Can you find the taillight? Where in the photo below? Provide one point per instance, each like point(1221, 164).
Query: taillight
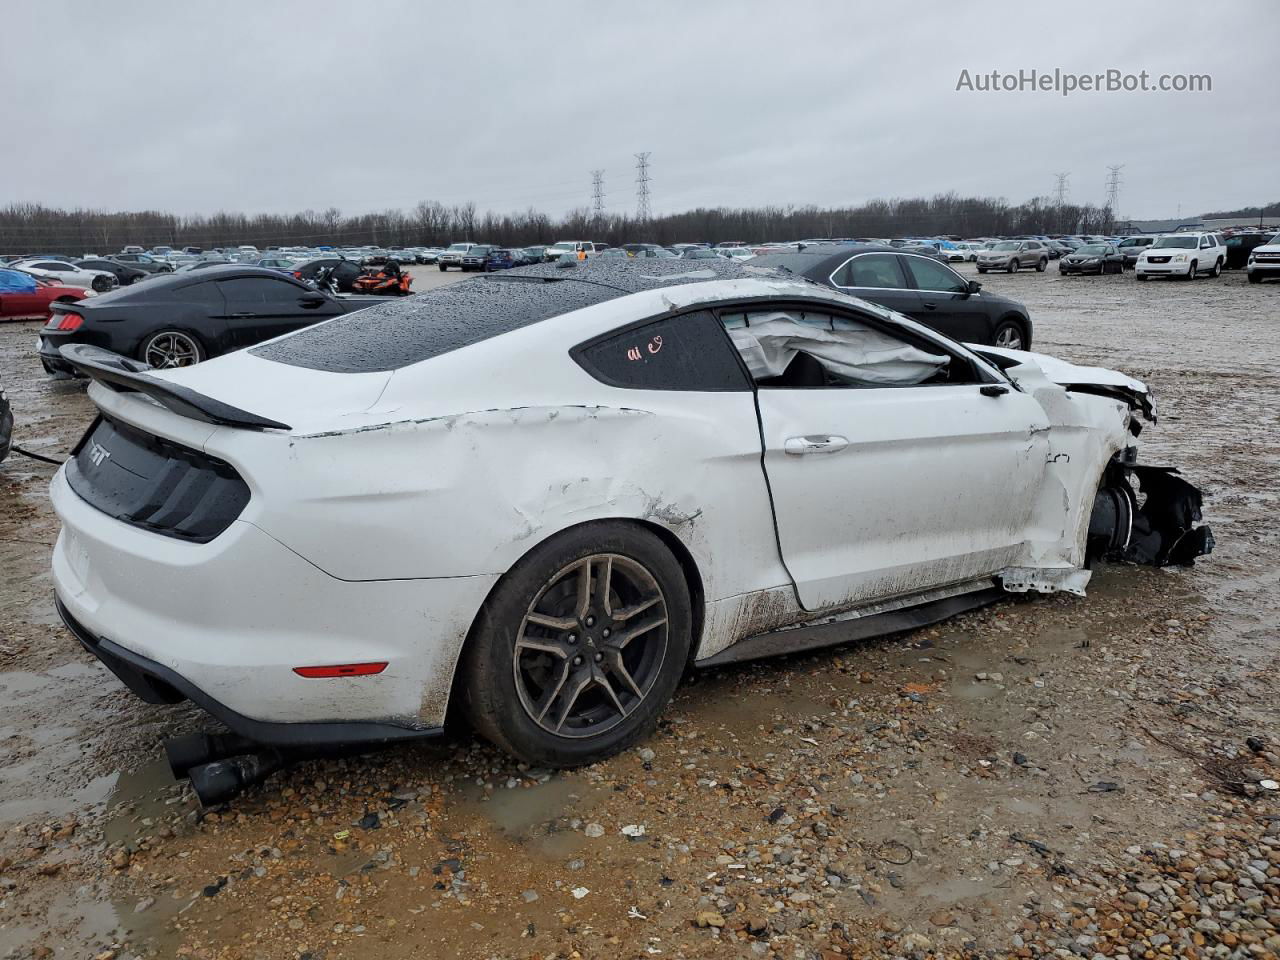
point(297, 274)
point(70, 321)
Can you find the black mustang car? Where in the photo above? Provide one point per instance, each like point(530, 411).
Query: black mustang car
point(183, 318)
point(913, 284)
point(124, 273)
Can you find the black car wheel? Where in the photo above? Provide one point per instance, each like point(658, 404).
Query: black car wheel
point(1217, 269)
point(1040, 267)
point(1191, 271)
point(1255, 278)
point(982, 269)
point(580, 646)
point(1008, 334)
point(1012, 267)
point(101, 284)
point(171, 348)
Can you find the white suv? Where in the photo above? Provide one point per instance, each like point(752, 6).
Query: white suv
point(1264, 261)
point(1184, 255)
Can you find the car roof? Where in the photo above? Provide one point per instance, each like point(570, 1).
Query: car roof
point(394, 335)
point(817, 260)
point(160, 284)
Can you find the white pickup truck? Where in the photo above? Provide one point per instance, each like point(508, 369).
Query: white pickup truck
point(575, 247)
point(1264, 261)
point(1186, 255)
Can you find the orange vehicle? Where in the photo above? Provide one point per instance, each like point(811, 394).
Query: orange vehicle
point(390, 281)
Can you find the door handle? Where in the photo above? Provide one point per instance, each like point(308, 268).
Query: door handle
point(242, 316)
point(930, 306)
point(799, 446)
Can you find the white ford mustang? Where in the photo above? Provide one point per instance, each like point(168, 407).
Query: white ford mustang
point(539, 495)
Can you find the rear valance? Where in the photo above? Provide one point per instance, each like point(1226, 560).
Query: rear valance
point(121, 374)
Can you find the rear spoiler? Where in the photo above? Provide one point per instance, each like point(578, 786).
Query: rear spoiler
point(123, 375)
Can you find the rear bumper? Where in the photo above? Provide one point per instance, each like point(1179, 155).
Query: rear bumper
point(225, 623)
point(156, 683)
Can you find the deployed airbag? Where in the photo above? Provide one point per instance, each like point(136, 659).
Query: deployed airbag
point(848, 351)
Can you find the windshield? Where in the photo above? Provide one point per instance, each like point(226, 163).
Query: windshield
point(460, 247)
point(1175, 243)
point(1006, 245)
point(1092, 249)
point(563, 245)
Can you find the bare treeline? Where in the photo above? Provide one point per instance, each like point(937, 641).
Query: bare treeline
point(33, 228)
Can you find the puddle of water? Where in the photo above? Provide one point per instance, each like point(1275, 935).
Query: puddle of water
point(537, 818)
point(145, 794)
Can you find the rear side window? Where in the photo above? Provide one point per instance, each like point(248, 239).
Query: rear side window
point(870, 270)
point(206, 292)
point(259, 290)
point(686, 352)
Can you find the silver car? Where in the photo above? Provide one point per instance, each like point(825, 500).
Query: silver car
point(1013, 255)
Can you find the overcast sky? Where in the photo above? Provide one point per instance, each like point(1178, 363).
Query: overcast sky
point(278, 106)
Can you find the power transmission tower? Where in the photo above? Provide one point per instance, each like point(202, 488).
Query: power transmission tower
point(1113, 187)
point(642, 187)
point(597, 196)
point(1060, 193)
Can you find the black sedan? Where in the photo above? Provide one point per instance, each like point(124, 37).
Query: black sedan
point(913, 284)
point(181, 319)
point(124, 273)
point(1096, 258)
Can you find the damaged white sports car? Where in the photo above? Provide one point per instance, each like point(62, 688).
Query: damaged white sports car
point(537, 496)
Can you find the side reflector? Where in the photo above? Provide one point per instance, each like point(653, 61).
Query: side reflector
point(342, 670)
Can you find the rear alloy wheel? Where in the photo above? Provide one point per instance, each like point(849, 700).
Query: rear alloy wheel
point(1009, 335)
point(101, 284)
point(1217, 268)
point(580, 646)
point(1013, 266)
point(171, 348)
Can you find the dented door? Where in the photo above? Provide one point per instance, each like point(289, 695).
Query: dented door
point(882, 492)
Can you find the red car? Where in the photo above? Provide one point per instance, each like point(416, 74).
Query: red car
point(24, 297)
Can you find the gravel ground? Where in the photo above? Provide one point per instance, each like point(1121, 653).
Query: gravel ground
point(1046, 777)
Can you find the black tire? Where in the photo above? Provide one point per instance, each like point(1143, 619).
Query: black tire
point(1255, 278)
point(1217, 269)
point(1041, 265)
point(982, 269)
point(496, 683)
point(443, 268)
point(1012, 333)
point(1141, 276)
point(100, 284)
point(1192, 272)
point(1013, 266)
point(185, 349)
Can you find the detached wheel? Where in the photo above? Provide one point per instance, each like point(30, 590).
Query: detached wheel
point(579, 647)
point(1008, 334)
point(171, 348)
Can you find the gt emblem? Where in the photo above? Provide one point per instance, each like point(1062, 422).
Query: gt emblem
point(98, 453)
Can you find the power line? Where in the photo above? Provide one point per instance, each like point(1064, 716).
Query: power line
point(1061, 191)
point(1113, 187)
point(597, 195)
point(642, 187)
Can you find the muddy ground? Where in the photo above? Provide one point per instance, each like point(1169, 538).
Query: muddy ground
point(1046, 777)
